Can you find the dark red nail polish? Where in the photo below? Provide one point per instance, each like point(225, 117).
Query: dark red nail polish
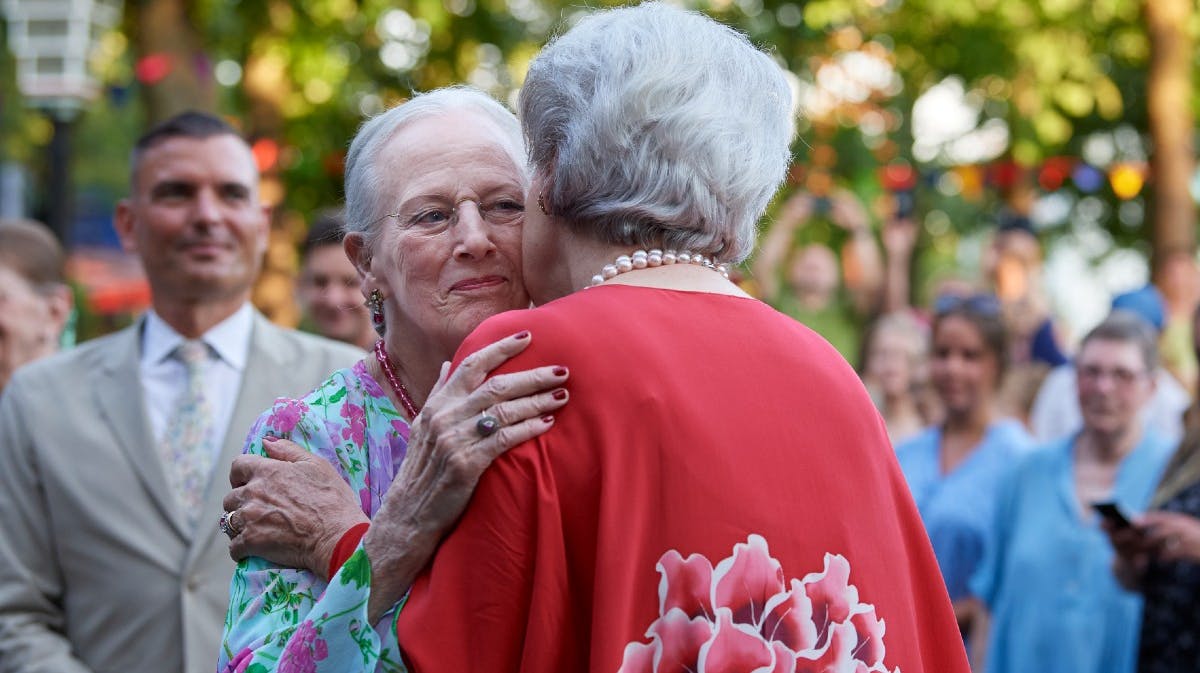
point(547, 419)
point(522, 335)
point(560, 394)
point(560, 371)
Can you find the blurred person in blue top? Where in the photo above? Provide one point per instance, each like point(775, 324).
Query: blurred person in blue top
point(1045, 577)
point(1055, 412)
point(953, 468)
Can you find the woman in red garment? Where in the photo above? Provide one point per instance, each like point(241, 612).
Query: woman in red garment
point(720, 495)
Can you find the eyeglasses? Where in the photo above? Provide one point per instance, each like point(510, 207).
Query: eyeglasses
point(979, 304)
point(431, 220)
point(1120, 376)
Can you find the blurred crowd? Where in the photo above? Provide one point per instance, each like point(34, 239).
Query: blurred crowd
point(1057, 478)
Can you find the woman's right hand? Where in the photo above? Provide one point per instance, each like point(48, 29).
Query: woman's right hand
point(1174, 536)
point(1132, 552)
point(447, 454)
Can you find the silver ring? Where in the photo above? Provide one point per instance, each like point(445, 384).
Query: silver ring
point(226, 526)
point(487, 425)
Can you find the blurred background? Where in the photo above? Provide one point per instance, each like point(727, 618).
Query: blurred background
point(1075, 115)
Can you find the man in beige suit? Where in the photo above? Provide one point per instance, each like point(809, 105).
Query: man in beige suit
point(114, 456)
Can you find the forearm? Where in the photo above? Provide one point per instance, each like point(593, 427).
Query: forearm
point(896, 284)
point(277, 615)
point(397, 554)
point(866, 280)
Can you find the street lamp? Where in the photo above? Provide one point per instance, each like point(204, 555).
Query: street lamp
point(52, 42)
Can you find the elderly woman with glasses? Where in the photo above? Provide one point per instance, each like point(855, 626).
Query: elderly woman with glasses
point(954, 468)
point(1046, 577)
point(435, 193)
point(720, 493)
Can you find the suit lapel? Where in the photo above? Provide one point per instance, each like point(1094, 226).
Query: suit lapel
point(259, 386)
point(119, 396)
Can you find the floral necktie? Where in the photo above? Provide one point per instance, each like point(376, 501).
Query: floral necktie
point(186, 446)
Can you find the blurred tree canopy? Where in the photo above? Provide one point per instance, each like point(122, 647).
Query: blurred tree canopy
point(1040, 85)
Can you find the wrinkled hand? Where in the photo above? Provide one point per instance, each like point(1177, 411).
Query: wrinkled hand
point(1173, 536)
point(290, 508)
point(447, 455)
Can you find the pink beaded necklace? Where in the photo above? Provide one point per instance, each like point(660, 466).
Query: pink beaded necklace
point(389, 372)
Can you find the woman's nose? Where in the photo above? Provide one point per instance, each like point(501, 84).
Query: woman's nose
point(473, 234)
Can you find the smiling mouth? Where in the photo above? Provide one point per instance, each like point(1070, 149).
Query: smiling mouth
point(204, 248)
point(477, 283)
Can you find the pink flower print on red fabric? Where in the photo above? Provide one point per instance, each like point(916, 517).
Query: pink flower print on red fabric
point(742, 617)
point(303, 651)
point(356, 423)
point(286, 414)
point(689, 587)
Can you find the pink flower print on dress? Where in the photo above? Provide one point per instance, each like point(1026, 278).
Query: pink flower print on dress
point(356, 423)
point(401, 428)
point(303, 650)
point(286, 414)
point(742, 617)
point(242, 660)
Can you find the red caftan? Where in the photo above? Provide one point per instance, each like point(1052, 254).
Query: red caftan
point(718, 495)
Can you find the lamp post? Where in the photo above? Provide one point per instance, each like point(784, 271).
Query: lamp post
point(52, 42)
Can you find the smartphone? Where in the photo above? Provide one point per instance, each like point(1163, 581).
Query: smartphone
point(1113, 513)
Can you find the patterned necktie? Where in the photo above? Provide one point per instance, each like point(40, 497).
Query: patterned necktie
point(185, 446)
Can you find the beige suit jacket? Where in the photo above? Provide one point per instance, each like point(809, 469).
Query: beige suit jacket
point(98, 569)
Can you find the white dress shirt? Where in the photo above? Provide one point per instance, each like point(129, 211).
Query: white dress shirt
point(164, 378)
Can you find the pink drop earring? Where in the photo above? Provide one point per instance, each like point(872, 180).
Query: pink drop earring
point(375, 306)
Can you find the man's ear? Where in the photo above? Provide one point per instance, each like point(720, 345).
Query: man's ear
point(264, 233)
point(59, 301)
point(123, 223)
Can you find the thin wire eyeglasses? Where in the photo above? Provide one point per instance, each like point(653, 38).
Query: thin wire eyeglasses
point(1123, 377)
point(432, 220)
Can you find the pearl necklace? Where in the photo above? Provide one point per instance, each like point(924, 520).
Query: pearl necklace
point(641, 259)
point(389, 372)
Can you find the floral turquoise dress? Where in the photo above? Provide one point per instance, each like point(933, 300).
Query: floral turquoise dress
point(290, 621)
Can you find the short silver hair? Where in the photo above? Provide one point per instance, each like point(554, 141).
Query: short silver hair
point(1125, 326)
point(656, 126)
point(366, 202)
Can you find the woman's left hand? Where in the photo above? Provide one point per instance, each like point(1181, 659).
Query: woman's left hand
point(1175, 536)
point(447, 453)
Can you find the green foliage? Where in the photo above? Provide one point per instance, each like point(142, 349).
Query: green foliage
point(312, 70)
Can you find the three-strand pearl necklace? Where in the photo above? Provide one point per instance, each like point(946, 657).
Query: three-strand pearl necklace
point(642, 259)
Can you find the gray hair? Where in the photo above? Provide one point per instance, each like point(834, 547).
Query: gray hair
point(655, 126)
point(365, 198)
point(1127, 327)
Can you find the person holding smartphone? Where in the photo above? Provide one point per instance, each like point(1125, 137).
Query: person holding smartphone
point(1045, 578)
point(1158, 554)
